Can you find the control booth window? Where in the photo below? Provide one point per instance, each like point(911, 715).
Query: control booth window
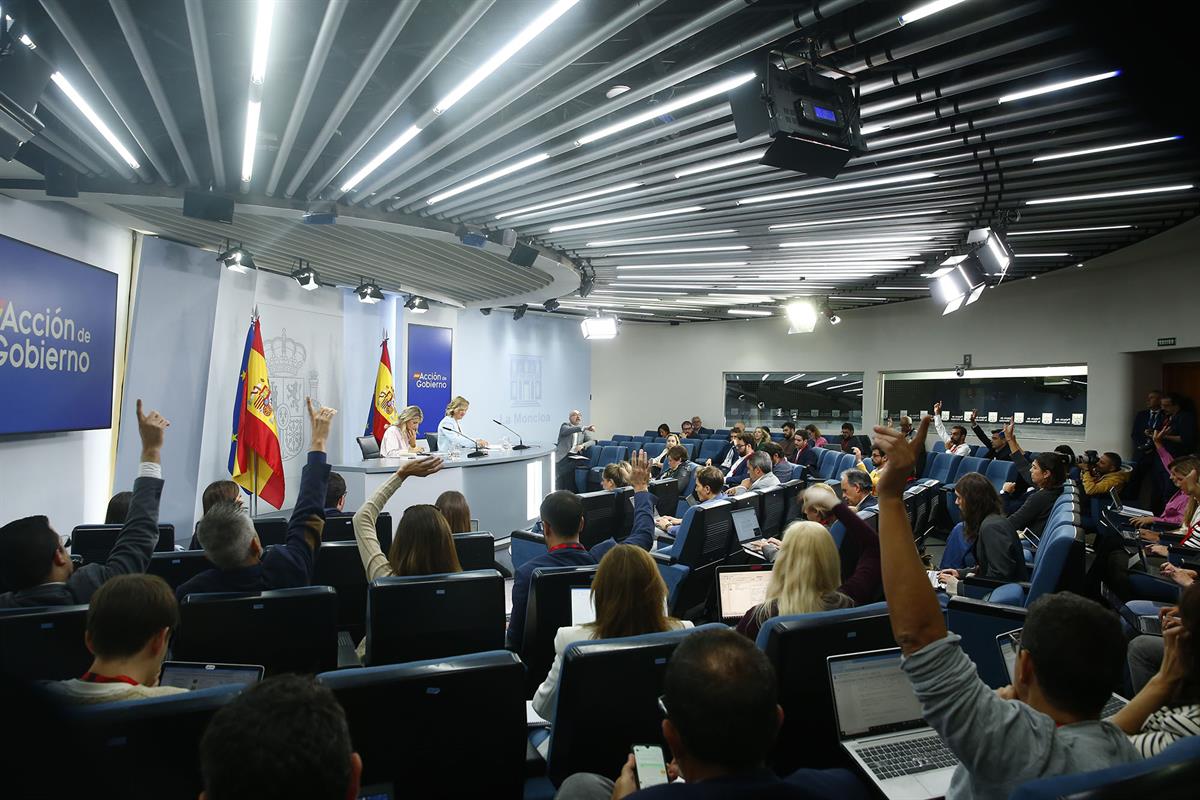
point(824, 399)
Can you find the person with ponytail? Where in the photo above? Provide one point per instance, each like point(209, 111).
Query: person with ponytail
point(1046, 473)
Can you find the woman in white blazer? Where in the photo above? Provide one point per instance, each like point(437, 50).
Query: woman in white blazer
point(450, 433)
point(402, 438)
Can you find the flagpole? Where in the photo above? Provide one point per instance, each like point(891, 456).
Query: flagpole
point(254, 481)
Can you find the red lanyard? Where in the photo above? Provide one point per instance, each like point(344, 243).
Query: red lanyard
point(566, 546)
point(91, 677)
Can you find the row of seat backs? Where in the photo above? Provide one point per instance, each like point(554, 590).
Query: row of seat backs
point(401, 718)
point(338, 528)
point(93, 543)
point(832, 463)
point(287, 629)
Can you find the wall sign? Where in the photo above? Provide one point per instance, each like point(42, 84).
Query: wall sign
point(430, 360)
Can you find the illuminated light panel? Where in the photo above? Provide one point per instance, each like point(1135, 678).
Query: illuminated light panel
point(1059, 86)
point(594, 223)
point(383, 156)
point(621, 187)
point(666, 108)
point(1179, 187)
point(488, 178)
point(926, 10)
point(749, 312)
point(708, 166)
point(676, 251)
point(872, 218)
point(1042, 255)
point(1011, 234)
point(1106, 148)
point(836, 187)
point(77, 99)
point(685, 265)
point(897, 239)
point(666, 237)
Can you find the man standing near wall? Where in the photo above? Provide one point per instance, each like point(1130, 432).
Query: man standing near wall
point(573, 439)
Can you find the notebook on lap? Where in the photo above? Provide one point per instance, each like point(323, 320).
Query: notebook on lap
point(880, 725)
point(1010, 644)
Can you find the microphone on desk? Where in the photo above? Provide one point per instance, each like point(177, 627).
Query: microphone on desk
point(521, 439)
point(477, 453)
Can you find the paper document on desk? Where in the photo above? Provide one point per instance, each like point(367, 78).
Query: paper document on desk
point(531, 717)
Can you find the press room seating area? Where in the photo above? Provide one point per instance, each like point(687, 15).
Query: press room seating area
point(436, 670)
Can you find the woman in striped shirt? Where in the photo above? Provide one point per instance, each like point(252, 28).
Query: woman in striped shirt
point(1168, 708)
point(1190, 529)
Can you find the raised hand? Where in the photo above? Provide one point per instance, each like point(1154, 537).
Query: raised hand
point(421, 467)
point(320, 422)
point(1158, 435)
point(974, 414)
point(937, 408)
point(639, 477)
point(151, 429)
point(901, 458)
point(857, 453)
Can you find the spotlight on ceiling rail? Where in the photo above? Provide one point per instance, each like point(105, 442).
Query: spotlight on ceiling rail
point(520, 311)
point(305, 275)
point(236, 258)
point(599, 327)
point(802, 316)
point(417, 305)
point(550, 305)
point(369, 292)
point(958, 282)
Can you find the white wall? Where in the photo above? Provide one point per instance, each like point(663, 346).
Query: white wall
point(67, 476)
point(1099, 315)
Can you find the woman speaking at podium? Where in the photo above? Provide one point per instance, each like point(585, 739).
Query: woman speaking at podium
point(450, 433)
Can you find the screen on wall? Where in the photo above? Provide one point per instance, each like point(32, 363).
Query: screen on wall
point(999, 397)
point(825, 399)
point(57, 330)
point(430, 350)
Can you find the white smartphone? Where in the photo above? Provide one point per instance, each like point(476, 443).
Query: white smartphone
point(651, 771)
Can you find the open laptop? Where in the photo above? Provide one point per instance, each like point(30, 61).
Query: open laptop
point(1124, 510)
point(745, 523)
point(582, 610)
point(1010, 643)
point(740, 588)
point(880, 725)
point(198, 675)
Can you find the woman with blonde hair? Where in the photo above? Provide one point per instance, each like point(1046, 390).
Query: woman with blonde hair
point(806, 578)
point(630, 599)
point(455, 509)
point(615, 476)
point(658, 460)
point(401, 437)
point(450, 433)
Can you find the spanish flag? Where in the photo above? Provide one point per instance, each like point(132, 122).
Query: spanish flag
point(254, 449)
point(383, 402)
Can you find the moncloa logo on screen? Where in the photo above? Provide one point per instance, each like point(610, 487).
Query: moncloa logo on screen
point(63, 334)
point(431, 380)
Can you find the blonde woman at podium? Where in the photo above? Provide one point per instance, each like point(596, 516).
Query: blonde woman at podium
point(402, 438)
point(450, 433)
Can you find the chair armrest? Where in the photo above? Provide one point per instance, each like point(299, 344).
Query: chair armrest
point(530, 536)
point(1170, 538)
point(661, 557)
point(665, 538)
point(989, 584)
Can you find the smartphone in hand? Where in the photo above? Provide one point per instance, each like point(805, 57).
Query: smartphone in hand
point(651, 770)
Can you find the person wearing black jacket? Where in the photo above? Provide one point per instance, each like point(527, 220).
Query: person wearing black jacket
point(990, 537)
point(39, 571)
point(1047, 473)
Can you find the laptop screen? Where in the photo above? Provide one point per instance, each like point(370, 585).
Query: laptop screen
point(1009, 644)
point(582, 610)
point(745, 522)
point(871, 694)
point(1116, 499)
point(195, 675)
point(741, 591)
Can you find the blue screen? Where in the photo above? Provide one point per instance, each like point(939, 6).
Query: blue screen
point(57, 331)
point(825, 113)
point(430, 350)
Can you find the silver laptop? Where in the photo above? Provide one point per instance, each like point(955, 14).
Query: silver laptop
point(198, 675)
point(1010, 644)
point(1124, 510)
point(740, 588)
point(745, 522)
point(880, 725)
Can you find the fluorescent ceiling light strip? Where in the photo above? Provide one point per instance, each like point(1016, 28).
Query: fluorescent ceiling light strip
point(539, 24)
point(620, 187)
point(839, 187)
point(902, 288)
point(795, 377)
point(594, 223)
point(488, 178)
point(926, 10)
point(1011, 234)
point(631, 291)
point(1106, 148)
point(75, 97)
point(749, 312)
point(666, 237)
point(843, 385)
point(1041, 255)
point(666, 108)
point(685, 265)
point(872, 218)
point(1055, 87)
point(262, 40)
point(1105, 195)
point(383, 156)
point(705, 277)
point(708, 166)
point(869, 299)
point(654, 285)
point(253, 110)
point(826, 380)
point(675, 251)
point(899, 238)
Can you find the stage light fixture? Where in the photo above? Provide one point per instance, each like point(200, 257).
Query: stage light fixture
point(599, 327)
point(991, 250)
point(236, 258)
point(305, 275)
point(550, 305)
point(961, 285)
point(802, 315)
point(586, 284)
point(369, 293)
point(487, 312)
point(417, 305)
point(520, 311)
point(833, 318)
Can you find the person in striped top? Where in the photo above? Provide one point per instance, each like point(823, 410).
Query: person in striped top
point(1190, 529)
point(1167, 709)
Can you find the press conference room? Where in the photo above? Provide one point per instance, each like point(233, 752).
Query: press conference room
point(768, 399)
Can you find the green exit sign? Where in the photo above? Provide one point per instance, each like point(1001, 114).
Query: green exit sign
point(1168, 342)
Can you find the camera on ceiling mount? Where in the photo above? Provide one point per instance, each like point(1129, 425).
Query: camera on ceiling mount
point(813, 119)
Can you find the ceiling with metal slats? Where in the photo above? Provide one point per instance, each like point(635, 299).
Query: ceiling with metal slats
point(604, 137)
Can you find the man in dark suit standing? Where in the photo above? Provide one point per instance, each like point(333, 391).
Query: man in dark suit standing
point(573, 438)
point(1145, 423)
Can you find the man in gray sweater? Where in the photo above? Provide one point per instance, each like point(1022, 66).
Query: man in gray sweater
point(37, 569)
point(1072, 656)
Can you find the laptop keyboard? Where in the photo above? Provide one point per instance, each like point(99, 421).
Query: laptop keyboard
point(1113, 705)
point(907, 757)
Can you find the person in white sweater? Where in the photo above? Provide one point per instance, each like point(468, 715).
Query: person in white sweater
point(630, 599)
point(402, 438)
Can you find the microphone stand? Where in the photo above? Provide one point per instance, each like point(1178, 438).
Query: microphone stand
point(521, 439)
point(477, 453)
